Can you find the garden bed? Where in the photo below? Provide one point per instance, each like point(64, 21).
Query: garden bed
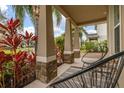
point(18, 62)
point(23, 81)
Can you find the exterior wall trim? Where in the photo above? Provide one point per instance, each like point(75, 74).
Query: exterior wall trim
point(68, 52)
point(76, 49)
point(46, 59)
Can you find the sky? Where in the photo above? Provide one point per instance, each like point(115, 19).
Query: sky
point(90, 29)
point(28, 25)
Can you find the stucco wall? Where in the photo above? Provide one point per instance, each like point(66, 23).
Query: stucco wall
point(102, 31)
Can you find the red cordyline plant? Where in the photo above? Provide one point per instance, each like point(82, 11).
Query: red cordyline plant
point(3, 59)
point(11, 26)
point(13, 41)
point(29, 37)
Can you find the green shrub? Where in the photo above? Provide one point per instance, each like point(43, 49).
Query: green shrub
point(59, 41)
point(89, 46)
point(95, 46)
point(103, 44)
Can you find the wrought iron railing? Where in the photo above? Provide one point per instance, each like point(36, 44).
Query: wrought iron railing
point(102, 74)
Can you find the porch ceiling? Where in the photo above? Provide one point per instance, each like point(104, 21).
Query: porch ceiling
point(85, 14)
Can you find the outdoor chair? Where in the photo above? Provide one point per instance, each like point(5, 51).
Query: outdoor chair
point(88, 62)
point(94, 76)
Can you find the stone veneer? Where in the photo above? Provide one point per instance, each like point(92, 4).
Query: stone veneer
point(76, 54)
point(45, 72)
point(69, 58)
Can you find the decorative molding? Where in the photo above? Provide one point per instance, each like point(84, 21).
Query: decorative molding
point(46, 59)
point(68, 52)
point(76, 49)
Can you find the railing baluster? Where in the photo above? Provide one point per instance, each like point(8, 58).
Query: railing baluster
point(80, 81)
point(83, 80)
point(76, 85)
point(107, 75)
point(96, 77)
point(114, 69)
point(104, 73)
point(70, 83)
point(66, 84)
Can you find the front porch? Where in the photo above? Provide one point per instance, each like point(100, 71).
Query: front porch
point(47, 70)
point(60, 70)
point(65, 70)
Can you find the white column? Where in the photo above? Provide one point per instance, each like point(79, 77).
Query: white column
point(122, 27)
point(68, 49)
point(110, 30)
point(46, 57)
point(76, 47)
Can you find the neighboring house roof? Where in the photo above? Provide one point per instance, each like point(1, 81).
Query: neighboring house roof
point(92, 35)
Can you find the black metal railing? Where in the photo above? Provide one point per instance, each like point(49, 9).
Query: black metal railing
point(102, 74)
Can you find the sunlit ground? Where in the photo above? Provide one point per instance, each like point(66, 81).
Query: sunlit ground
point(7, 51)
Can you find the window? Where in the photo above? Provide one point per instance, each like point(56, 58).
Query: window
point(116, 15)
point(116, 29)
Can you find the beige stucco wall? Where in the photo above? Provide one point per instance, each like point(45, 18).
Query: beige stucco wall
point(121, 80)
point(102, 31)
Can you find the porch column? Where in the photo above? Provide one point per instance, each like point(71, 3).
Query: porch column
point(68, 50)
point(110, 29)
point(76, 47)
point(46, 58)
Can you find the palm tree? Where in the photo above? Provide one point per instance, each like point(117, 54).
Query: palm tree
point(81, 34)
point(2, 19)
point(57, 15)
point(21, 10)
point(33, 12)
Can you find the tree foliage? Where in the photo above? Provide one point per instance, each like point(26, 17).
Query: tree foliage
point(59, 41)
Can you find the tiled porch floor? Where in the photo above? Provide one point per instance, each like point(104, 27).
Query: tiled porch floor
point(61, 70)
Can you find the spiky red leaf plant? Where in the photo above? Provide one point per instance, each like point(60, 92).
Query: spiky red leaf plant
point(12, 42)
point(29, 37)
point(11, 26)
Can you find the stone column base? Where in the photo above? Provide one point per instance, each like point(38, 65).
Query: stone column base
point(69, 58)
point(45, 72)
point(76, 54)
